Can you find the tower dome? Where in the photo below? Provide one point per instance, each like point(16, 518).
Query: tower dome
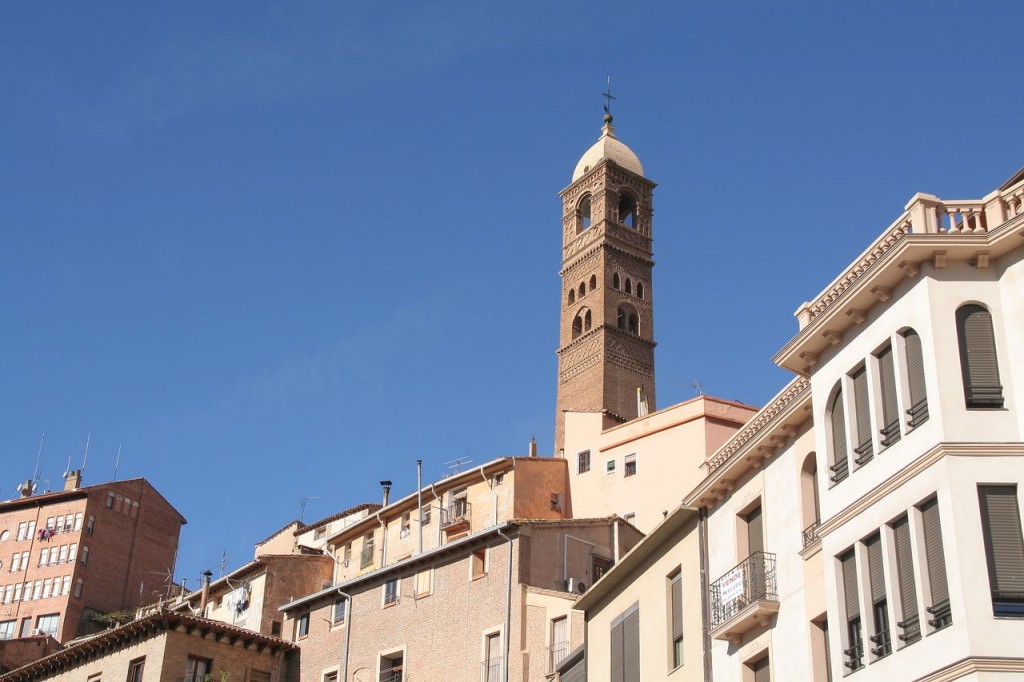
point(608, 147)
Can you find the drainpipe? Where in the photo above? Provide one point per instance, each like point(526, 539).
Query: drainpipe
point(702, 541)
point(419, 499)
point(490, 486)
point(508, 609)
point(615, 541)
point(348, 632)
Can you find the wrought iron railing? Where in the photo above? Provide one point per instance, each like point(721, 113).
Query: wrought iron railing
point(556, 654)
point(918, 413)
point(750, 581)
point(865, 451)
point(391, 674)
point(811, 533)
point(941, 614)
point(491, 670)
point(890, 433)
point(454, 513)
point(911, 629)
point(882, 643)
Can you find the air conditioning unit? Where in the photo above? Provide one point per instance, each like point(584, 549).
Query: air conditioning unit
point(37, 631)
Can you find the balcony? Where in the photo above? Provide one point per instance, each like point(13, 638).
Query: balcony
point(455, 517)
point(811, 533)
point(556, 654)
point(490, 671)
point(744, 598)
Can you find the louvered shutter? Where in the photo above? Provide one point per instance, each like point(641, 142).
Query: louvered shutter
point(890, 430)
point(631, 647)
point(875, 572)
point(840, 465)
point(862, 411)
point(755, 531)
point(814, 490)
point(934, 552)
point(848, 561)
point(1004, 544)
point(677, 607)
point(918, 410)
point(905, 573)
point(763, 670)
point(828, 651)
point(617, 670)
point(978, 363)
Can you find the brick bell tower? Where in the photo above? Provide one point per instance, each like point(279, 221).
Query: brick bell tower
point(606, 338)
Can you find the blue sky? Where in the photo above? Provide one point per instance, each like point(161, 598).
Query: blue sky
point(278, 250)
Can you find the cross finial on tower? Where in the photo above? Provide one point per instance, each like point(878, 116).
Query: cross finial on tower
point(607, 94)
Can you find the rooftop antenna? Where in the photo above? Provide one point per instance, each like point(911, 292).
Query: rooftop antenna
point(39, 458)
point(67, 470)
point(117, 462)
point(224, 556)
point(457, 464)
point(698, 387)
point(608, 96)
point(85, 456)
point(302, 506)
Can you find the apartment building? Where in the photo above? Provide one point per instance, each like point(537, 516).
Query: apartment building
point(166, 647)
point(69, 556)
point(866, 522)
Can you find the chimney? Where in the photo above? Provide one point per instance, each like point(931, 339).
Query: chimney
point(73, 480)
point(386, 485)
point(533, 446)
point(26, 488)
point(207, 574)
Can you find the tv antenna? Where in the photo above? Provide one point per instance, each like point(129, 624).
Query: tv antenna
point(224, 556)
point(117, 462)
point(698, 387)
point(456, 464)
point(302, 506)
point(85, 455)
point(39, 459)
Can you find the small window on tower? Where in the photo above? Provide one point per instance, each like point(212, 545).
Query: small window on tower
point(586, 321)
point(615, 281)
point(640, 290)
point(583, 214)
point(629, 285)
point(627, 210)
point(572, 296)
point(583, 289)
point(593, 282)
point(577, 327)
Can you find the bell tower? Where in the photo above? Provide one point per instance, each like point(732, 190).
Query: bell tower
point(606, 337)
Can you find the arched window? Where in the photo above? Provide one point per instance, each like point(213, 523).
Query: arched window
point(627, 320)
point(640, 290)
point(627, 210)
point(809, 497)
point(629, 285)
point(593, 282)
point(572, 296)
point(615, 281)
point(577, 327)
point(583, 289)
point(917, 413)
point(840, 466)
point(586, 321)
point(978, 364)
point(583, 219)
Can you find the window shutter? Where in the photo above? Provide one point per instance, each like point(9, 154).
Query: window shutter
point(631, 647)
point(1004, 545)
point(875, 572)
point(616, 654)
point(934, 552)
point(755, 531)
point(905, 573)
point(840, 465)
point(763, 670)
point(978, 363)
point(918, 410)
point(848, 561)
point(864, 448)
point(890, 430)
point(677, 607)
point(828, 650)
point(814, 489)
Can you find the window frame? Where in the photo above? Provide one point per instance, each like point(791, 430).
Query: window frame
point(582, 462)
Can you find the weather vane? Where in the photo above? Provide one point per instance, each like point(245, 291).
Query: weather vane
point(607, 94)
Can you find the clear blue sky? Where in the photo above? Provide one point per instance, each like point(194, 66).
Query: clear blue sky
point(278, 250)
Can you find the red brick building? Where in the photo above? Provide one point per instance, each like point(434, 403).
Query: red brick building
point(69, 556)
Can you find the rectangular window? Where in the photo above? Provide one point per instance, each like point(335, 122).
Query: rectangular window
point(196, 669)
point(65, 585)
point(44, 556)
point(85, 556)
point(302, 626)
point(917, 413)
point(478, 563)
point(391, 592)
point(890, 431)
point(609, 467)
point(47, 583)
point(16, 562)
point(72, 552)
point(675, 589)
point(761, 669)
point(1004, 548)
point(7, 629)
point(78, 521)
point(47, 625)
point(22, 530)
point(499, 479)
point(864, 450)
point(583, 462)
point(338, 613)
point(17, 591)
point(63, 554)
point(939, 612)
point(559, 642)
point(625, 646)
point(135, 669)
point(328, 677)
point(851, 597)
point(423, 583)
point(629, 465)
point(492, 657)
point(880, 640)
point(319, 533)
point(425, 515)
point(391, 668)
point(366, 557)
point(556, 502)
point(406, 526)
point(910, 622)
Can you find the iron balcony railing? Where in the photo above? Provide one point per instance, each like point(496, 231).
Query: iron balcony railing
point(556, 654)
point(750, 581)
point(918, 413)
point(911, 629)
point(391, 674)
point(941, 614)
point(491, 670)
point(890, 433)
point(865, 451)
point(366, 556)
point(811, 533)
point(455, 513)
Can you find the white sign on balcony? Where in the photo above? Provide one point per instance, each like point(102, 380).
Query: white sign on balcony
point(731, 585)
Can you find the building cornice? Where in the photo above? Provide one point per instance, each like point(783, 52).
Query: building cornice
point(906, 474)
point(972, 665)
